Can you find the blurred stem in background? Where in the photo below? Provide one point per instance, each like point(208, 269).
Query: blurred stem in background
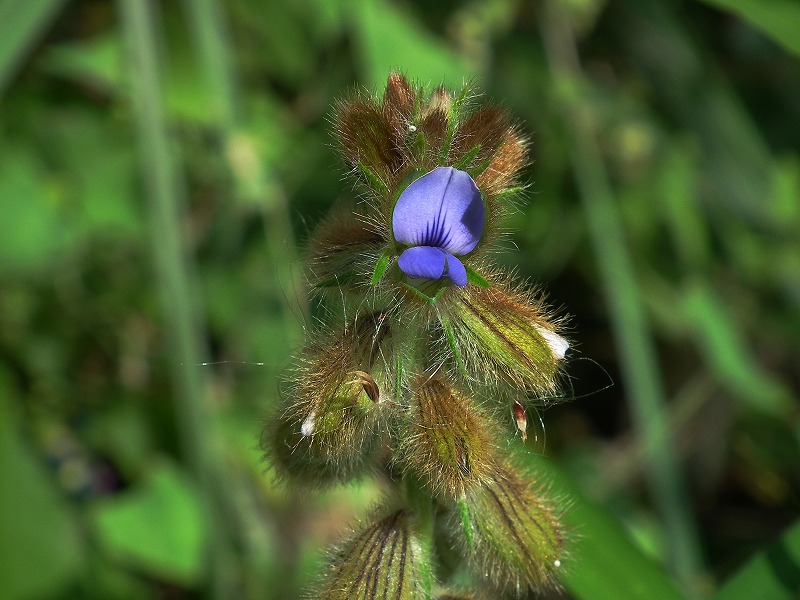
point(176, 284)
point(627, 314)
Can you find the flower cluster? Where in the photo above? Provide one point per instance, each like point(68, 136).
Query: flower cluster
point(429, 355)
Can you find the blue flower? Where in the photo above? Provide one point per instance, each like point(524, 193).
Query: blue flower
point(439, 216)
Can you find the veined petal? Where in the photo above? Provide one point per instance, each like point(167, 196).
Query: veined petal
point(427, 262)
point(443, 209)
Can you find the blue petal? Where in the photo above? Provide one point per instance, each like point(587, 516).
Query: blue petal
point(427, 262)
point(443, 209)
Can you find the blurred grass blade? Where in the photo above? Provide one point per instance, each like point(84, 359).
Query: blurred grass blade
point(603, 562)
point(773, 574)
point(728, 355)
point(629, 320)
point(176, 285)
point(778, 19)
point(23, 21)
point(213, 45)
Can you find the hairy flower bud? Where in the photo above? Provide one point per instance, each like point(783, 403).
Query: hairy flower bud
point(500, 335)
point(330, 428)
point(512, 534)
point(382, 562)
point(448, 442)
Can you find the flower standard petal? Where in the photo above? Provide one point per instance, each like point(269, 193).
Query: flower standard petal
point(443, 209)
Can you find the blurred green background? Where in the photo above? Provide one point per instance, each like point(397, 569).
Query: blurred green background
point(162, 163)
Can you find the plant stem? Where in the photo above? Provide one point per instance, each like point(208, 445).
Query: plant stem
point(181, 311)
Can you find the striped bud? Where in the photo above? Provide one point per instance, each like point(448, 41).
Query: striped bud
point(501, 335)
point(382, 562)
point(448, 443)
point(512, 535)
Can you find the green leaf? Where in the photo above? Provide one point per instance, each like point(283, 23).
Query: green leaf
point(157, 527)
point(773, 574)
point(40, 548)
point(31, 231)
point(96, 61)
point(778, 19)
point(602, 562)
point(23, 23)
point(389, 39)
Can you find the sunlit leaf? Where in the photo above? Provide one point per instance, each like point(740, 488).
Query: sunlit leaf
point(773, 574)
point(778, 19)
point(157, 527)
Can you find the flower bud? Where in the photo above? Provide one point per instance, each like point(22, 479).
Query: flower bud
point(501, 335)
point(330, 428)
point(369, 143)
point(448, 443)
point(512, 534)
point(334, 442)
point(384, 561)
point(342, 249)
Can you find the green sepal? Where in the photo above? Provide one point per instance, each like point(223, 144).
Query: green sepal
point(475, 172)
point(476, 278)
point(466, 524)
point(451, 341)
point(512, 191)
point(428, 298)
point(465, 160)
point(452, 123)
point(381, 266)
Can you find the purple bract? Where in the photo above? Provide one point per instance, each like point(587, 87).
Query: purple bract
point(439, 216)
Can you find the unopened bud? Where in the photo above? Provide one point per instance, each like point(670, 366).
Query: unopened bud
point(512, 534)
point(331, 425)
point(503, 335)
point(382, 561)
point(448, 442)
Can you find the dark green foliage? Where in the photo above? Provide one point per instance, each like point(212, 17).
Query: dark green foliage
point(116, 484)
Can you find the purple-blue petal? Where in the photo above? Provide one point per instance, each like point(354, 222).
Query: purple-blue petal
point(424, 262)
point(443, 209)
point(427, 262)
point(456, 271)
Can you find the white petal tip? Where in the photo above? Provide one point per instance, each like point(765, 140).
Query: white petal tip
point(558, 345)
point(307, 428)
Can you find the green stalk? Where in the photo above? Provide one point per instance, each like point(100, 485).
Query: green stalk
point(212, 43)
point(628, 317)
point(176, 288)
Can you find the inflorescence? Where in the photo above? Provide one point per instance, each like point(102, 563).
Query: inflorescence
point(427, 359)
